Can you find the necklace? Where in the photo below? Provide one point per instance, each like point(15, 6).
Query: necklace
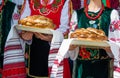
point(97, 16)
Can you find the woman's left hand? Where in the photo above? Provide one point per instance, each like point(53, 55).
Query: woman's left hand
point(107, 49)
point(45, 37)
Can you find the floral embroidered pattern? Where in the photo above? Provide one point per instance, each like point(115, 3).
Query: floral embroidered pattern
point(84, 53)
point(115, 28)
point(16, 15)
point(115, 25)
point(47, 6)
point(89, 54)
point(92, 54)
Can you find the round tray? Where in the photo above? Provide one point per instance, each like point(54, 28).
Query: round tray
point(90, 43)
point(33, 29)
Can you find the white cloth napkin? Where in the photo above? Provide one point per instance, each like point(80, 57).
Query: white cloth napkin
point(59, 57)
point(14, 56)
point(55, 45)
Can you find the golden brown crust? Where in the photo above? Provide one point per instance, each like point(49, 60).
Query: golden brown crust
point(99, 32)
point(89, 34)
point(37, 21)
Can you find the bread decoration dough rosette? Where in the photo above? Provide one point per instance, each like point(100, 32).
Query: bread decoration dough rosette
point(91, 34)
point(37, 21)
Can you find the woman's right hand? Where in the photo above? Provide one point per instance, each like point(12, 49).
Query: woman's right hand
point(26, 35)
point(73, 47)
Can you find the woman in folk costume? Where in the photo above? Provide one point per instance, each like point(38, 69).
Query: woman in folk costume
point(94, 63)
point(59, 12)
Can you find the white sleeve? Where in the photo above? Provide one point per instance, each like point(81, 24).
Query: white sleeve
point(114, 15)
point(17, 2)
point(114, 40)
point(26, 11)
point(114, 18)
point(73, 22)
point(65, 16)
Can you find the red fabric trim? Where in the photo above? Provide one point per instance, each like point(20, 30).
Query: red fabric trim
point(19, 64)
point(53, 51)
point(13, 47)
point(108, 3)
point(15, 70)
point(56, 62)
point(116, 69)
point(115, 39)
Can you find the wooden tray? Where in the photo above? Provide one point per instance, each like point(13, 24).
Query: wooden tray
point(32, 29)
point(90, 44)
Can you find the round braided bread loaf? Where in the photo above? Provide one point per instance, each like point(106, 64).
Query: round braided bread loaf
point(37, 21)
point(89, 34)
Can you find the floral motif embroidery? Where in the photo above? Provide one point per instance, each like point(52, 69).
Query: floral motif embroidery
point(47, 6)
point(16, 15)
point(89, 54)
point(84, 53)
point(115, 26)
